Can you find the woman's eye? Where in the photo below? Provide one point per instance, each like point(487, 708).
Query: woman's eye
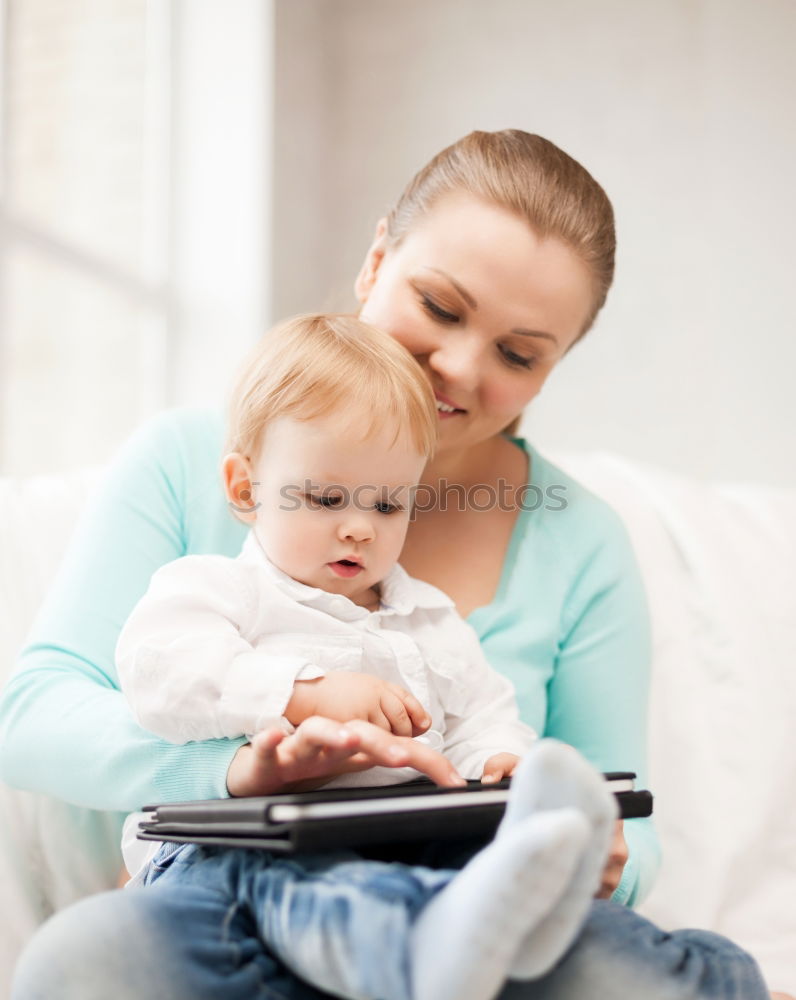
point(516, 360)
point(437, 311)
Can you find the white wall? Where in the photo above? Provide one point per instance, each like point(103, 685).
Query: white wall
point(682, 109)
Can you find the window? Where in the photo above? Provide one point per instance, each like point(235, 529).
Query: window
point(132, 215)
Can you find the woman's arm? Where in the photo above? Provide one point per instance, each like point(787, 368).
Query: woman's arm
point(66, 729)
point(597, 697)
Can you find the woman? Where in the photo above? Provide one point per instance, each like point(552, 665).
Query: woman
point(495, 261)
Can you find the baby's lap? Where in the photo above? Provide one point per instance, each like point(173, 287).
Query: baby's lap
point(247, 875)
point(227, 867)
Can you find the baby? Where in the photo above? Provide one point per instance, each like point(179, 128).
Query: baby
point(331, 426)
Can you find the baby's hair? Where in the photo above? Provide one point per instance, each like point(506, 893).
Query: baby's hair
point(313, 366)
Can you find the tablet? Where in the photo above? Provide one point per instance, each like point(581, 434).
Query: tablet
point(354, 817)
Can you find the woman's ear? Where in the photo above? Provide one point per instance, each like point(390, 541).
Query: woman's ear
point(236, 473)
point(366, 278)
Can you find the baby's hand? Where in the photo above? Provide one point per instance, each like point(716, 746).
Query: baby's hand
point(500, 765)
point(344, 696)
point(321, 749)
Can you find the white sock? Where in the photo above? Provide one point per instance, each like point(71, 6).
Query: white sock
point(555, 776)
point(465, 941)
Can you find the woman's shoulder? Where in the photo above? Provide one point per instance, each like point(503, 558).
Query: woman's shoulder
point(576, 540)
point(194, 433)
point(173, 448)
point(565, 507)
point(170, 468)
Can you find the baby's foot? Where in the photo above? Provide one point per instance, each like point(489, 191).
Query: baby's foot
point(465, 942)
point(550, 777)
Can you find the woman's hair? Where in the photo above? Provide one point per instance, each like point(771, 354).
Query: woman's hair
point(533, 178)
point(310, 367)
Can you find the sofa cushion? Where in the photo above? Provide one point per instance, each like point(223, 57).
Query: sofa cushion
point(719, 564)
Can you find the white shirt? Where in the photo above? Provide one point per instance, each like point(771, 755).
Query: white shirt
point(214, 648)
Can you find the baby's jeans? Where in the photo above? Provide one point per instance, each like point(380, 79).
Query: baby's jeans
point(197, 932)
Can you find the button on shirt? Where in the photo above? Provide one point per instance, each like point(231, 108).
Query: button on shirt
point(215, 646)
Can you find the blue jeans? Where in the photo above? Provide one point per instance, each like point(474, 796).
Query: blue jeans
point(197, 933)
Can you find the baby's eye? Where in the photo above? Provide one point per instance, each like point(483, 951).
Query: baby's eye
point(383, 507)
point(328, 500)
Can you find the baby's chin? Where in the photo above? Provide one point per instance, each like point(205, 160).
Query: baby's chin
point(359, 589)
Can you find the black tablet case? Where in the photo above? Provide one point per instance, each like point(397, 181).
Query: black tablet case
point(416, 811)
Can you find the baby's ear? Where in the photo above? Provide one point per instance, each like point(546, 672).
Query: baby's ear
point(236, 473)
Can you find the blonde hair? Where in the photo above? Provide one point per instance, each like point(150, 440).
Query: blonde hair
point(530, 176)
point(310, 367)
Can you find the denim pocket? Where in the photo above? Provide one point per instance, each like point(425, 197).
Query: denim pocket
point(162, 861)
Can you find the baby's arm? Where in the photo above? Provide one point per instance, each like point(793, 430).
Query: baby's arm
point(190, 673)
point(184, 663)
point(483, 732)
point(350, 695)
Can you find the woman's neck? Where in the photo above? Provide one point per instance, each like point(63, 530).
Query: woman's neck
point(467, 467)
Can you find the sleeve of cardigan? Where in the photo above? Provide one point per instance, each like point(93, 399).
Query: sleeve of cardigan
point(597, 697)
point(65, 728)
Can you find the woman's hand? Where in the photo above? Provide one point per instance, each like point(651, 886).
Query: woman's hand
point(320, 749)
point(615, 865)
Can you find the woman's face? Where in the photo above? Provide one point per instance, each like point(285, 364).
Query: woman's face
point(485, 306)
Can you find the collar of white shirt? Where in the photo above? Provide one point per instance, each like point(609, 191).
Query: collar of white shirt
point(401, 594)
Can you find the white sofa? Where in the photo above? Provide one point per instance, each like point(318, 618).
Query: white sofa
point(720, 567)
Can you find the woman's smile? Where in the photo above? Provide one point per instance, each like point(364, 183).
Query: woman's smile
point(446, 407)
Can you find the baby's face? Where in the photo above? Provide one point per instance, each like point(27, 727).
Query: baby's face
point(332, 510)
